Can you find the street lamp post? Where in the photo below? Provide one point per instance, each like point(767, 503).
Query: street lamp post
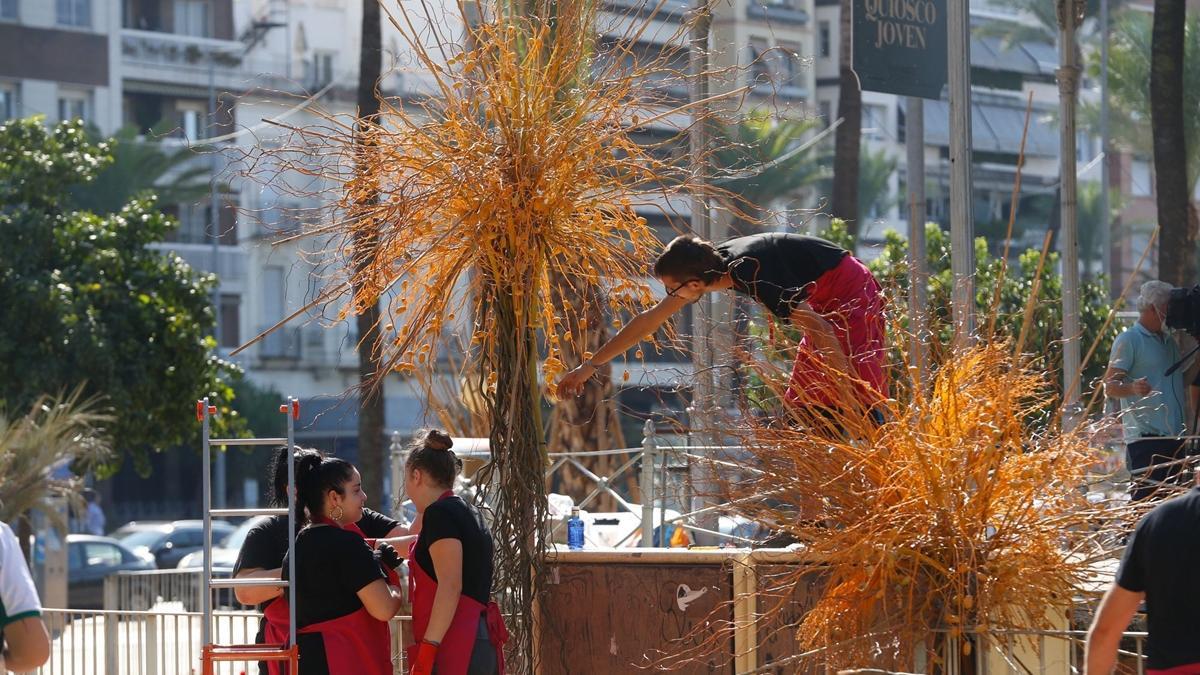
point(962, 226)
point(1070, 15)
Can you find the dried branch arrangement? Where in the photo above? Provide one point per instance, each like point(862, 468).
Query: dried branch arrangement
point(485, 205)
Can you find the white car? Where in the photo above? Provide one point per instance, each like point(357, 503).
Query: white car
point(224, 556)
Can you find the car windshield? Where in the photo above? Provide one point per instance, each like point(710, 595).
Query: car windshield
point(142, 538)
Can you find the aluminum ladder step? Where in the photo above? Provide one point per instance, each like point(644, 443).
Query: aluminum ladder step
point(248, 441)
point(246, 513)
point(243, 583)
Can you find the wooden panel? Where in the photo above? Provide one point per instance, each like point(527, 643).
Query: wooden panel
point(606, 618)
point(777, 639)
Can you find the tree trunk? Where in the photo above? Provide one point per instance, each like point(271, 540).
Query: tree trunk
point(371, 437)
point(849, 135)
point(1177, 240)
point(588, 422)
point(515, 480)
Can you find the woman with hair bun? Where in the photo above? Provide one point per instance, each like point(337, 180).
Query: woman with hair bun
point(458, 629)
point(263, 551)
point(343, 600)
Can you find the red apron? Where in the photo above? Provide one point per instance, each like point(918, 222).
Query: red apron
point(849, 298)
point(454, 652)
point(275, 628)
point(355, 643)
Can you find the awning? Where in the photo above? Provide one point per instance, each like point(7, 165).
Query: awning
point(995, 127)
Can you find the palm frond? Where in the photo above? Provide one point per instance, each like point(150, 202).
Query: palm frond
point(58, 432)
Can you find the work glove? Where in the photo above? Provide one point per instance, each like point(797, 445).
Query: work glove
point(423, 664)
point(387, 556)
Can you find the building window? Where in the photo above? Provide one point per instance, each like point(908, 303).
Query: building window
point(825, 110)
point(874, 121)
point(231, 309)
point(1140, 182)
point(322, 72)
point(192, 18)
point(8, 101)
point(791, 66)
point(74, 12)
point(74, 104)
point(824, 40)
point(193, 223)
point(760, 69)
point(8, 10)
point(192, 119)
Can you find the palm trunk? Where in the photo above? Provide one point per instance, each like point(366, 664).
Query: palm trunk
point(588, 422)
point(1177, 243)
point(371, 388)
point(849, 135)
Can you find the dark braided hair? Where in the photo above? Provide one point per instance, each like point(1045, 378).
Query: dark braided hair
point(430, 452)
point(278, 473)
point(316, 475)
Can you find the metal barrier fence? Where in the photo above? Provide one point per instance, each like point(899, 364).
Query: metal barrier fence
point(141, 590)
point(162, 641)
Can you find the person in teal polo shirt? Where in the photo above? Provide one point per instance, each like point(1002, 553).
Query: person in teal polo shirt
point(1153, 405)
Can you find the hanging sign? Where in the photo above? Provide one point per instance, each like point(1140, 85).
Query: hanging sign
point(900, 46)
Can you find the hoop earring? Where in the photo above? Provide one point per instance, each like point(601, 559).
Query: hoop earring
point(337, 514)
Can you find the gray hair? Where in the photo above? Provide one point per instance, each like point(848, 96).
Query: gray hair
point(1154, 294)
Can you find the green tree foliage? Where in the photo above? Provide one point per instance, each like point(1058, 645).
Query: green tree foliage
point(1016, 285)
point(86, 302)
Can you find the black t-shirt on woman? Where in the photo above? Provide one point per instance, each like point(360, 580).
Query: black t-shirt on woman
point(779, 268)
point(266, 543)
point(452, 518)
point(332, 566)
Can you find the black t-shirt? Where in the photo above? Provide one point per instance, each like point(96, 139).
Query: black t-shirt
point(779, 268)
point(1161, 560)
point(452, 518)
point(332, 565)
point(266, 543)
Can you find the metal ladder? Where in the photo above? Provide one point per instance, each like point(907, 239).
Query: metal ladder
point(212, 653)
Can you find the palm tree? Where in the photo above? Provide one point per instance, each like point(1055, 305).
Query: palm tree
point(371, 386)
point(849, 135)
point(874, 180)
point(1177, 222)
point(141, 167)
point(1131, 69)
point(760, 160)
point(56, 432)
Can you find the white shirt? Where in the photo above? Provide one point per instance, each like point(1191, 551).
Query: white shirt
point(18, 595)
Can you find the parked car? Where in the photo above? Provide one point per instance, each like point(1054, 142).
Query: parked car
point(89, 560)
point(168, 543)
point(225, 555)
point(135, 526)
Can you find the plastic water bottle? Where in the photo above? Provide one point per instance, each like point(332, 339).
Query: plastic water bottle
point(575, 530)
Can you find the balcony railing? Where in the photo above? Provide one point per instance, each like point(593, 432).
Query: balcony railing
point(281, 343)
point(179, 59)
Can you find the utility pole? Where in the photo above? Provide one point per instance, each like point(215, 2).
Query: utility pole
point(214, 229)
point(914, 141)
point(1070, 15)
point(962, 226)
point(1106, 234)
point(700, 416)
